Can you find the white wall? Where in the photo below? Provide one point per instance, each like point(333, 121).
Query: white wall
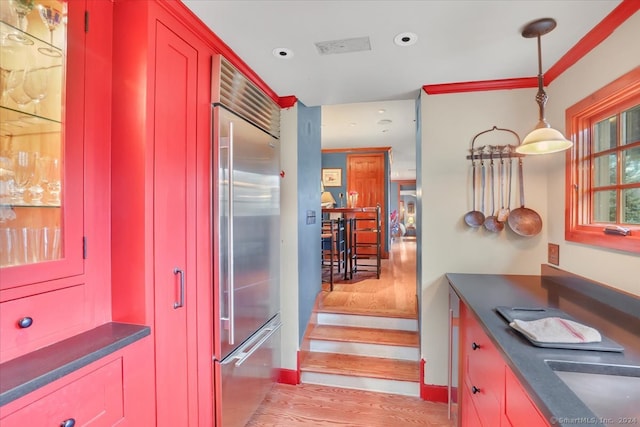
point(289, 245)
point(449, 123)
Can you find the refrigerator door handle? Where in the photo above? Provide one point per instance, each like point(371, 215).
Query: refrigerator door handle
point(264, 335)
point(230, 264)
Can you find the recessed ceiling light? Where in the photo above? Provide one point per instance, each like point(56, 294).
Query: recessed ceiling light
point(405, 39)
point(282, 53)
point(382, 111)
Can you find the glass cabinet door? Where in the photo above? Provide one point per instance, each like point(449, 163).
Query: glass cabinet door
point(34, 147)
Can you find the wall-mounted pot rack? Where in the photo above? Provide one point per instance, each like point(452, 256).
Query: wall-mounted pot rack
point(486, 151)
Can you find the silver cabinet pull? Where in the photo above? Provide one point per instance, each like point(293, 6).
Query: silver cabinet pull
point(180, 303)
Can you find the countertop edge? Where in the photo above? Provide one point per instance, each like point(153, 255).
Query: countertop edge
point(27, 373)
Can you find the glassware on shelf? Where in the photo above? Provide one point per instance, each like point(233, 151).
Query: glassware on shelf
point(51, 18)
point(15, 84)
point(36, 189)
point(35, 85)
point(6, 182)
point(22, 9)
point(12, 58)
point(51, 175)
point(24, 170)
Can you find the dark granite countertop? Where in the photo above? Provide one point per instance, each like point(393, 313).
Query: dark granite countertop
point(483, 292)
point(27, 373)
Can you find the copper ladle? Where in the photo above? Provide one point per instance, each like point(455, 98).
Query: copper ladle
point(475, 218)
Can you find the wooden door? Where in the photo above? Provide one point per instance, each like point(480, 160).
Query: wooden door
point(365, 174)
point(174, 226)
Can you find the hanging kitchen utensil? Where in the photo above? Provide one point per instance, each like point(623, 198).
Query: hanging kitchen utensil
point(503, 212)
point(491, 222)
point(474, 218)
point(524, 221)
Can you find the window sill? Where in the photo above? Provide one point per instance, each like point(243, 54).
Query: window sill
point(593, 235)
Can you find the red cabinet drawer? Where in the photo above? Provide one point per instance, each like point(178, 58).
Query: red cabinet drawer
point(54, 315)
point(95, 400)
point(519, 409)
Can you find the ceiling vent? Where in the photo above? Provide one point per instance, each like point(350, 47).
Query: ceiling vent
point(357, 44)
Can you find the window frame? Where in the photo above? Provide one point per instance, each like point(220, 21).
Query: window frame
point(621, 94)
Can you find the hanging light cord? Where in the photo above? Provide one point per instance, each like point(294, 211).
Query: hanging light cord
point(541, 96)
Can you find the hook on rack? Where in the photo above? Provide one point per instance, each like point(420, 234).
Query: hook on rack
point(507, 151)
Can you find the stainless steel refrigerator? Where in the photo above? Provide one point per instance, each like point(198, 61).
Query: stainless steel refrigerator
point(246, 224)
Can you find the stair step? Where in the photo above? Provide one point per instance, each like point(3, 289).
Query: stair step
point(361, 366)
point(366, 321)
point(385, 343)
point(365, 335)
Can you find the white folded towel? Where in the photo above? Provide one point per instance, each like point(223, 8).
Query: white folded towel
point(556, 330)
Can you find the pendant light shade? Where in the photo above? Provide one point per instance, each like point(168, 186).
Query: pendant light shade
point(543, 139)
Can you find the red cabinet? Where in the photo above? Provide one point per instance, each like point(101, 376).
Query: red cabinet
point(161, 162)
point(56, 236)
point(519, 409)
point(491, 394)
point(110, 391)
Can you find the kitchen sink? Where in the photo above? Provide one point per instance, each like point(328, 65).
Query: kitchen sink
point(611, 391)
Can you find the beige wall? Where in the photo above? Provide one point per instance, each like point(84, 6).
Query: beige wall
point(449, 123)
point(616, 56)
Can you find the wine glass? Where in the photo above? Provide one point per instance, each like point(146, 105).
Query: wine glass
point(11, 59)
point(22, 9)
point(51, 175)
point(23, 169)
point(51, 18)
point(35, 85)
point(16, 88)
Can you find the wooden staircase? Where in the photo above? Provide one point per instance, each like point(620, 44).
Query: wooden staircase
point(362, 351)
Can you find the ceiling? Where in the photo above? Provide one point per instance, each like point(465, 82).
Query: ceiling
point(450, 41)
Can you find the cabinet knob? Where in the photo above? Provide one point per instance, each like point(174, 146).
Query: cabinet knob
point(68, 423)
point(475, 390)
point(25, 322)
point(475, 346)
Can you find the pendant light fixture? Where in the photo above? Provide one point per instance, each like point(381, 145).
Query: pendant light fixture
point(543, 139)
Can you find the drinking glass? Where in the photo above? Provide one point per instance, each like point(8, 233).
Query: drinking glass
point(6, 180)
point(15, 83)
point(24, 170)
point(51, 175)
point(35, 85)
point(51, 18)
point(22, 9)
point(12, 57)
point(36, 249)
point(7, 240)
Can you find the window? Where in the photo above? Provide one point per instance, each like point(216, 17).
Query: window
point(603, 170)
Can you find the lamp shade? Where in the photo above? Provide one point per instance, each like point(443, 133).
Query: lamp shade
point(544, 140)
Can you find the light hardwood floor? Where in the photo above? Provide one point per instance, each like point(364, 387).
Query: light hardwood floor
point(307, 405)
point(392, 295)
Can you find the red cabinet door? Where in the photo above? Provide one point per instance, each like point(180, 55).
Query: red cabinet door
point(42, 239)
point(174, 222)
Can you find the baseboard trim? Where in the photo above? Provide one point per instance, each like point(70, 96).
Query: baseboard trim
point(288, 376)
point(432, 392)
